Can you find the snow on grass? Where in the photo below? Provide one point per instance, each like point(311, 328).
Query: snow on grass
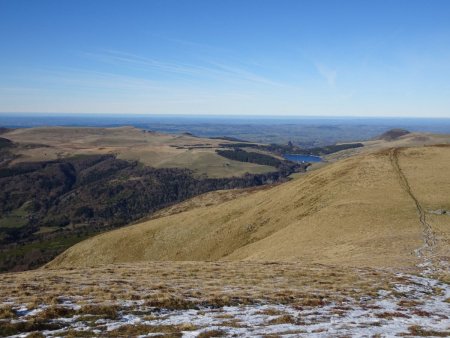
point(390, 304)
point(415, 302)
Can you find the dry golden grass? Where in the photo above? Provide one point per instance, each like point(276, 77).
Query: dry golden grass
point(284, 319)
point(184, 285)
point(212, 333)
point(139, 329)
point(352, 219)
point(6, 312)
point(406, 141)
point(427, 170)
point(176, 286)
point(418, 331)
point(152, 149)
point(12, 328)
point(291, 297)
point(353, 212)
point(205, 200)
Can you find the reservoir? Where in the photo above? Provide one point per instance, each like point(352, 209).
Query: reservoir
point(302, 158)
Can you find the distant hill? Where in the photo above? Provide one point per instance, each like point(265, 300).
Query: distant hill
point(339, 214)
point(393, 134)
point(228, 138)
point(149, 148)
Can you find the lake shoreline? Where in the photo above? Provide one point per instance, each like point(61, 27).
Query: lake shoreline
point(302, 158)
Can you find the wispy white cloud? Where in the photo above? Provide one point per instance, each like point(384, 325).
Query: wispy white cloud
point(330, 75)
point(119, 81)
point(143, 63)
point(208, 69)
point(85, 79)
point(244, 74)
point(78, 89)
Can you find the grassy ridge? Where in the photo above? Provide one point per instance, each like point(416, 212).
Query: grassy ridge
point(338, 214)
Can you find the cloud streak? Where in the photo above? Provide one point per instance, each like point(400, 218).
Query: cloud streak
point(211, 70)
point(330, 75)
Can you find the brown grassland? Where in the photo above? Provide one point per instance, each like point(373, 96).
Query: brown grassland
point(129, 143)
point(209, 299)
point(354, 212)
point(358, 247)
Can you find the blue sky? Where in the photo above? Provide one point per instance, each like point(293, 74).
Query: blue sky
point(329, 58)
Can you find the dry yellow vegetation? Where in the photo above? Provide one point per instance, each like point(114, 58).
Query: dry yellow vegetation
point(205, 200)
point(231, 298)
point(129, 143)
point(178, 284)
point(334, 252)
point(354, 212)
point(408, 140)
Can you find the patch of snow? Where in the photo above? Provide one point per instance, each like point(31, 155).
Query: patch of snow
point(382, 314)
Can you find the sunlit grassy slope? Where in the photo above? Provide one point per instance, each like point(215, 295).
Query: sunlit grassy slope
point(353, 212)
point(150, 148)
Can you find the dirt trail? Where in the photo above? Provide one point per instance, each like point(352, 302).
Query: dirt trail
point(428, 234)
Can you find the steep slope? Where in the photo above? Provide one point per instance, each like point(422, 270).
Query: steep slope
point(60, 185)
point(353, 212)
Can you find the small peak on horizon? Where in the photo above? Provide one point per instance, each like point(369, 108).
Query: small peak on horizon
point(393, 134)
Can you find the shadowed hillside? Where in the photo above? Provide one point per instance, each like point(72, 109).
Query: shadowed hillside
point(393, 134)
point(60, 185)
point(47, 206)
point(338, 214)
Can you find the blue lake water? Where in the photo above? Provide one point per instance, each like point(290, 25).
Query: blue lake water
point(302, 158)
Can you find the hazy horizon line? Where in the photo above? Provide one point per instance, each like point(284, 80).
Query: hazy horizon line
point(233, 116)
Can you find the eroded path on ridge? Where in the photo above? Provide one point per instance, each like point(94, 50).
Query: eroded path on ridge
point(429, 238)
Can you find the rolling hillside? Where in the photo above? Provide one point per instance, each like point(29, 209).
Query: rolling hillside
point(359, 247)
point(152, 149)
point(393, 138)
point(379, 209)
point(60, 185)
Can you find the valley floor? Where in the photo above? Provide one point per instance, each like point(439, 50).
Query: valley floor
point(207, 299)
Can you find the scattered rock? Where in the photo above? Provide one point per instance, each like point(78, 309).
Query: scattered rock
point(440, 212)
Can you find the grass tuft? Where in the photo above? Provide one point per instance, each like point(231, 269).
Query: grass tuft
point(143, 329)
point(7, 312)
point(285, 319)
point(212, 333)
point(417, 330)
point(105, 311)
